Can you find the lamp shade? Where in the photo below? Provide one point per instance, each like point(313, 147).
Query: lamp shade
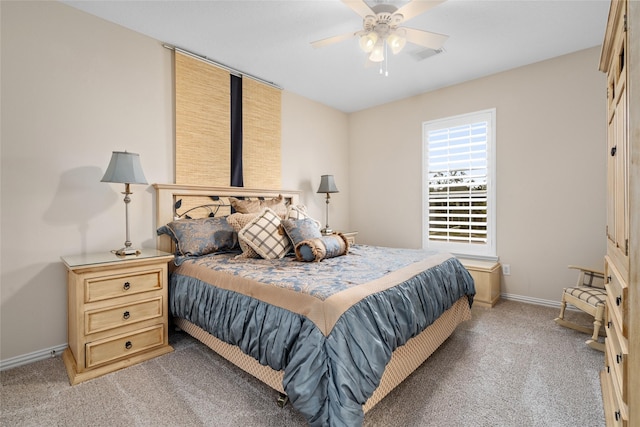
point(327, 184)
point(377, 54)
point(368, 41)
point(125, 168)
point(397, 41)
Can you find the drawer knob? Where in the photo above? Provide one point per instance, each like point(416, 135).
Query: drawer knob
point(608, 279)
point(126, 315)
point(618, 300)
point(128, 345)
point(608, 369)
point(617, 414)
point(126, 286)
point(618, 358)
point(609, 324)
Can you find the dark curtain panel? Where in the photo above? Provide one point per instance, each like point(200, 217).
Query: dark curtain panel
point(236, 132)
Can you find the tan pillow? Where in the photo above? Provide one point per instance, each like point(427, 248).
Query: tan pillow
point(255, 206)
point(238, 221)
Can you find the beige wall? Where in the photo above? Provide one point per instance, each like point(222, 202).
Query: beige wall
point(74, 88)
point(314, 143)
point(550, 123)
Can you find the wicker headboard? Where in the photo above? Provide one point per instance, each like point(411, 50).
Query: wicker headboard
point(175, 201)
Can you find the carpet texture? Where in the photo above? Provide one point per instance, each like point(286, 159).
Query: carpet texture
point(508, 366)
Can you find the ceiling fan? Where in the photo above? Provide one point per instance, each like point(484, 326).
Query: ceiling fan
point(381, 28)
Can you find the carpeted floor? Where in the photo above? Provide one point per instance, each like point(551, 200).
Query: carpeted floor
point(509, 366)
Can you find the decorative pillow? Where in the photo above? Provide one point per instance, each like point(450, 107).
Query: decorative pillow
point(265, 235)
point(238, 221)
point(323, 247)
point(301, 229)
point(196, 237)
point(255, 206)
point(299, 212)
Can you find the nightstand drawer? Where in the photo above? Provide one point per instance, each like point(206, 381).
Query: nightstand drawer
point(125, 314)
point(102, 288)
point(122, 346)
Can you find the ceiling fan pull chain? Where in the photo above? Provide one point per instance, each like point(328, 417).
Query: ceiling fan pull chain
point(386, 60)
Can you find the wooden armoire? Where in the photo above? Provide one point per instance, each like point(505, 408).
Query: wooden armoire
point(620, 60)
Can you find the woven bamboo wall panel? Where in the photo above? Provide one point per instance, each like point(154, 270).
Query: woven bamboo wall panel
point(202, 122)
point(261, 157)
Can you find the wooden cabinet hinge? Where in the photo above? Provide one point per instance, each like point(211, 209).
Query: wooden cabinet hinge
point(625, 23)
point(626, 247)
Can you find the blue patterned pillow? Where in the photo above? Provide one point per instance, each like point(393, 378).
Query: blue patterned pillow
point(317, 249)
point(299, 212)
point(301, 229)
point(196, 237)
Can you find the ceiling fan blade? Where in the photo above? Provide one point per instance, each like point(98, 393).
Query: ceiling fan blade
point(332, 40)
point(359, 7)
point(425, 38)
point(417, 7)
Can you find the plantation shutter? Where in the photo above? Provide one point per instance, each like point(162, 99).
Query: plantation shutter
point(458, 177)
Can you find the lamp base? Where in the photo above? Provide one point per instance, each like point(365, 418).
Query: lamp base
point(127, 251)
point(326, 231)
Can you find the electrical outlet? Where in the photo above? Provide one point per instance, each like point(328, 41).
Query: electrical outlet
point(506, 269)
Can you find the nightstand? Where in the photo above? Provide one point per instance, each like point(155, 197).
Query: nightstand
point(351, 237)
point(486, 275)
point(117, 311)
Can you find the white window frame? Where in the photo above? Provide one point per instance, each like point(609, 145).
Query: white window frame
point(487, 250)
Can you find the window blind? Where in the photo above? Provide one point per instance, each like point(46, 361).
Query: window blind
point(458, 178)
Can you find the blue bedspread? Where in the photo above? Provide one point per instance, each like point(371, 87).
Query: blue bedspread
point(332, 368)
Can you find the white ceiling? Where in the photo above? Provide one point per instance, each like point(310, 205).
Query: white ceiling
point(270, 39)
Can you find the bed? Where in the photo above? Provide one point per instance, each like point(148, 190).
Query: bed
point(334, 335)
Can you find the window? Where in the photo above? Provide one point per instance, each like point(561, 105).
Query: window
point(459, 184)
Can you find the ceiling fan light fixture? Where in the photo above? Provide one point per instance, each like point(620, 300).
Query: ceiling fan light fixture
point(397, 41)
point(377, 54)
point(368, 41)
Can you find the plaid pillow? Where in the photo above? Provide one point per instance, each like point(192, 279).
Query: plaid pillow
point(265, 235)
point(238, 221)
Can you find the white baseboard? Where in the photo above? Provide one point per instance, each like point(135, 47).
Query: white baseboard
point(45, 353)
point(531, 300)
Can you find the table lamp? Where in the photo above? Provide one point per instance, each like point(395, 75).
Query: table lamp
point(328, 186)
point(125, 168)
